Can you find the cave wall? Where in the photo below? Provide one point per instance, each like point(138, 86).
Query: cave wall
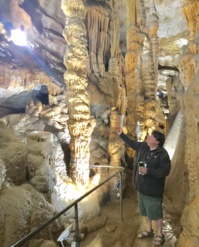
point(185, 162)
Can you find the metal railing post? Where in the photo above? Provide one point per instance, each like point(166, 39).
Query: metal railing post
point(121, 198)
point(77, 238)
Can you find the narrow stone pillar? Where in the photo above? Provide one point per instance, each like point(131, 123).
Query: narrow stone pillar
point(76, 59)
point(115, 151)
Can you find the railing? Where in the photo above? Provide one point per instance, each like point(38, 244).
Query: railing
point(75, 203)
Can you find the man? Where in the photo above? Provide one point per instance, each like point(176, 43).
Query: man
point(149, 180)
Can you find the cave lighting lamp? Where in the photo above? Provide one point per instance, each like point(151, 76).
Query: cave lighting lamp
point(18, 37)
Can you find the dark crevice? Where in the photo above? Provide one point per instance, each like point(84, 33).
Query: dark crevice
point(160, 67)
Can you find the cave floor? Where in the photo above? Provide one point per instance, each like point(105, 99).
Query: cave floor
point(116, 233)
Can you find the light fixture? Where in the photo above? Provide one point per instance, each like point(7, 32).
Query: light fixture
point(18, 37)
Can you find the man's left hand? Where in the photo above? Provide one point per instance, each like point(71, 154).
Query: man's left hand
point(143, 170)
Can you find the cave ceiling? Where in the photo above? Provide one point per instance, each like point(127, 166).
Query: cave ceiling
point(43, 21)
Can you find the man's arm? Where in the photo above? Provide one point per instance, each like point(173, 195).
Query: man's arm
point(131, 143)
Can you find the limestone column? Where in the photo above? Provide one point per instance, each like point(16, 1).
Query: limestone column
point(150, 68)
point(131, 62)
point(115, 69)
point(139, 84)
point(80, 123)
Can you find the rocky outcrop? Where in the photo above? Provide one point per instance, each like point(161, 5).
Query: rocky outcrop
point(23, 208)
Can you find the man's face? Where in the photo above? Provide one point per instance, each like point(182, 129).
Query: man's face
point(151, 141)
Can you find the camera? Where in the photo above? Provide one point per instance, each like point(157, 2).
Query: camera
point(141, 163)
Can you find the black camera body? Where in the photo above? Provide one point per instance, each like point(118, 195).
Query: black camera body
point(141, 163)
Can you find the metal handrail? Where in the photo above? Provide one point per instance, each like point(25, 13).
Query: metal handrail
point(31, 234)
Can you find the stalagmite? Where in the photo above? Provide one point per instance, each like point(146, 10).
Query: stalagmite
point(115, 144)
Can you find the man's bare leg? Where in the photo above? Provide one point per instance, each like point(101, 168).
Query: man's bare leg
point(148, 224)
point(159, 225)
point(159, 238)
point(147, 233)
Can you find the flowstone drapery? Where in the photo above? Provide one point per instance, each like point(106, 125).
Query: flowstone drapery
point(76, 59)
point(98, 25)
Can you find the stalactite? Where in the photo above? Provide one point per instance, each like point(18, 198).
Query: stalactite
point(114, 41)
point(98, 24)
point(142, 16)
point(80, 123)
point(152, 32)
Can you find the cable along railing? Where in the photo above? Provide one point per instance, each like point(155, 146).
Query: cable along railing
point(75, 205)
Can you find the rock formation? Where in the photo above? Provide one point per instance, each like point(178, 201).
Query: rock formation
point(80, 122)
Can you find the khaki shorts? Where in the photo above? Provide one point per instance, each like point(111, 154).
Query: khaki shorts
point(150, 207)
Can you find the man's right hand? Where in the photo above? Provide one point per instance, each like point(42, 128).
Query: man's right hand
point(119, 131)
